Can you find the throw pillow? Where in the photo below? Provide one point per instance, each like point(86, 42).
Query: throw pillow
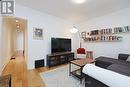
point(128, 59)
point(81, 51)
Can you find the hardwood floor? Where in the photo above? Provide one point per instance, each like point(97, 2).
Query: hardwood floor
point(21, 77)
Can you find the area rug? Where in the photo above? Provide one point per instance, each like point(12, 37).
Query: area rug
point(60, 78)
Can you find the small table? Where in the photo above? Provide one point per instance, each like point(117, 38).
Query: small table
point(81, 63)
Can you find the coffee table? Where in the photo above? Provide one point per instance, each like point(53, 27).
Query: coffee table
point(80, 63)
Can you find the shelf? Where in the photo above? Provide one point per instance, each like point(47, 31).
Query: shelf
point(105, 35)
point(121, 33)
point(105, 41)
point(110, 34)
point(59, 58)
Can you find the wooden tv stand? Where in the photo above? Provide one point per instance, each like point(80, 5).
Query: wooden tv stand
point(59, 58)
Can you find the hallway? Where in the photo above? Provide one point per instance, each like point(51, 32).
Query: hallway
point(21, 77)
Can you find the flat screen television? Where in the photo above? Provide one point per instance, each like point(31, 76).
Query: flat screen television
point(60, 45)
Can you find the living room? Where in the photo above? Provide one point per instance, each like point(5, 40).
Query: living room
point(56, 18)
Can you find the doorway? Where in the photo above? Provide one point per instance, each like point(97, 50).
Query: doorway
point(14, 37)
point(20, 38)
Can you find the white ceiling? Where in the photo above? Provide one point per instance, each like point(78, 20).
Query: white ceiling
point(71, 11)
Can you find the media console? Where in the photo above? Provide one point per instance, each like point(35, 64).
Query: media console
point(59, 58)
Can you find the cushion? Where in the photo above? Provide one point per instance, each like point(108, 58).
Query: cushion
point(80, 51)
point(125, 70)
point(123, 56)
point(128, 59)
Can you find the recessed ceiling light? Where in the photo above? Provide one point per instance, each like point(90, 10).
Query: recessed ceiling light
point(16, 20)
point(79, 1)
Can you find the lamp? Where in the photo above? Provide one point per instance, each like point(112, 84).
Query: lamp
point(75, 30)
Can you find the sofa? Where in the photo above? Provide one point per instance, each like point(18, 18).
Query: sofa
point(119, 66)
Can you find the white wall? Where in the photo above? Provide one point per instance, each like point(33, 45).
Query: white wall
point(0, 45)
point(110, 49)
point(52, 27)
point(19, 41)
point(6, 42)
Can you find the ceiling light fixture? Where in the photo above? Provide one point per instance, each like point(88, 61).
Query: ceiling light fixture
point(74, 30)
point(79, 1)
point(18, 26)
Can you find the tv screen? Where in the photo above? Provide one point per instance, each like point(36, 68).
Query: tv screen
point(60, 45)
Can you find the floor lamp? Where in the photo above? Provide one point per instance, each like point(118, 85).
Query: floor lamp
point(75, 30)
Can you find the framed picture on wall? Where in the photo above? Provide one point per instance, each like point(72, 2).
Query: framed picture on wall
point(37, 33)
